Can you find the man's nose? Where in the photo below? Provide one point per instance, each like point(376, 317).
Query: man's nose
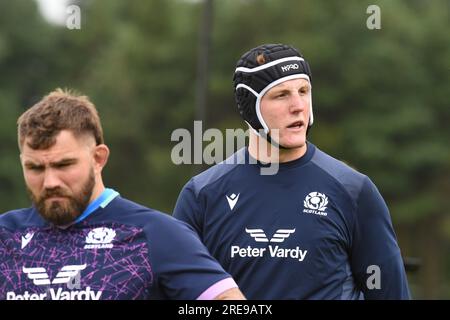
point(297, 103)
point(51, 179)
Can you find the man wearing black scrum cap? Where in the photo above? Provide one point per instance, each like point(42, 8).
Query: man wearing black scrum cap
point(317, 229)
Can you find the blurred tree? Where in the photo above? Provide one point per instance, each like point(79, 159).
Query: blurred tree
point(25, 57)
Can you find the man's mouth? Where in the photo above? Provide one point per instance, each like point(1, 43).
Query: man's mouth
point(296, 125)
point(55, 198)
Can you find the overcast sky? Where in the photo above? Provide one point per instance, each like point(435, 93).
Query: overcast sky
point(53, 10)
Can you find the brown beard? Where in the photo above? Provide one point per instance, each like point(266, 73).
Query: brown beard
point(62, 213)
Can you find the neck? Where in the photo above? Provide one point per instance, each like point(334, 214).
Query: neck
point(262, 150)
point(98, 189)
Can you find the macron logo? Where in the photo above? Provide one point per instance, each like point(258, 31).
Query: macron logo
point(288, 67)
point(232, 200)
point(26, 239)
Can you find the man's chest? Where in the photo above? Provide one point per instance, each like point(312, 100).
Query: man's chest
point(284, 225)
point(91, 263)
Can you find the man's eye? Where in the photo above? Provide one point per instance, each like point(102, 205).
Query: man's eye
point(62, 165)
point(36, 168)
point(304, 90)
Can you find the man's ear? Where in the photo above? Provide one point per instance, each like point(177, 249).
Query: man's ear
point(101, 155)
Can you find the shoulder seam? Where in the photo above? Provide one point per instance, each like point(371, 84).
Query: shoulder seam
point(197, 192)
point(363, 176)
point(211, 182)
point(354, 200)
